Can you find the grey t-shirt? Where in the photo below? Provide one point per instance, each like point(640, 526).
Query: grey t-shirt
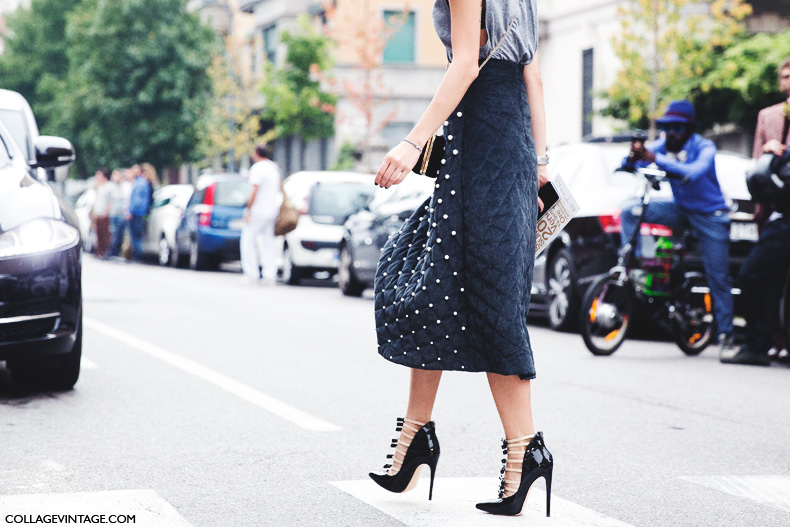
point(520, 44)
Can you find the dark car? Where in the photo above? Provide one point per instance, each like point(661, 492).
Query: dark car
point(367, 231)
point(40, 268)
point(588, 246)
point(210, 230)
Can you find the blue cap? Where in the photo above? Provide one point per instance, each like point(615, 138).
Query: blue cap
point(679, 112)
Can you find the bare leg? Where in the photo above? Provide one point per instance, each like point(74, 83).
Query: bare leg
point(514, 403)
point(422, 394)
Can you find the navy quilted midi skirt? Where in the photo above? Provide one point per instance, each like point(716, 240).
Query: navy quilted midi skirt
point(453, 285)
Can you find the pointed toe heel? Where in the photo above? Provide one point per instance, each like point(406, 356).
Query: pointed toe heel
point(422, 450)
point(537, 463)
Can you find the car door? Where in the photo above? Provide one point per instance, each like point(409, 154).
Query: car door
point(153, 226)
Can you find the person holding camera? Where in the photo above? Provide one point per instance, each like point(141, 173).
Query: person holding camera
point(698, 203)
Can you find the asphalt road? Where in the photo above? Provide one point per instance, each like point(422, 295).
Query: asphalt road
point(206, 401)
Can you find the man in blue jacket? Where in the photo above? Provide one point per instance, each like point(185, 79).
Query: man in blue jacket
point(698, 203)
point(139, 204)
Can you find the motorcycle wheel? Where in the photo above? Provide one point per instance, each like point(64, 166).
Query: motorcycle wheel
point(694, 322)
point(606, 313)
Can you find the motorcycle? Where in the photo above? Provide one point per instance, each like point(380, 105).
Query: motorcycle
point(655, 282)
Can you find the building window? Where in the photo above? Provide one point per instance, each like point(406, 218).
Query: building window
point(587, 92)
point(270, 43)
point(400, 45)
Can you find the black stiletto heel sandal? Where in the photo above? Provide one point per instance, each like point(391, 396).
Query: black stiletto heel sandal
point(537, 463)
point(423, 450)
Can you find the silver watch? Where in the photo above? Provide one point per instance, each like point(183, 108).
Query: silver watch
point(543, 160)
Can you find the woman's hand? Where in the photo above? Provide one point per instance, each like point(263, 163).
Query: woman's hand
point(543, 178)
point(397, 165)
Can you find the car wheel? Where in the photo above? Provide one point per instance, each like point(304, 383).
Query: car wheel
point(178, 259)
point(165, 253)
point(349, 284)
point(291, 273)
point(198, 260)
point(63, 376)
point(563, 301)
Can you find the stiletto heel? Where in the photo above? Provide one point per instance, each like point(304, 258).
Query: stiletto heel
point(422, 450)
point(433, 472)
point(537, 462)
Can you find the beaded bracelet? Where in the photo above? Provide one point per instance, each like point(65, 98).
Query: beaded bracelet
point(414, 145)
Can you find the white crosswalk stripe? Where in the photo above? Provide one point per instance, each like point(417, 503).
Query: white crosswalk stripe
point(148, 508)
point(453, 505)
point(773, 491)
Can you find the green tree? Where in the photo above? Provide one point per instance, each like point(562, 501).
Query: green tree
point(35, 53)
point(743, 82)
point(137, 83)
point(294, 99)
point(231, 123)
point(665, 46)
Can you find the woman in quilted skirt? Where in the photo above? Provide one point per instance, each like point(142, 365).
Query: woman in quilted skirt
point(453, 284)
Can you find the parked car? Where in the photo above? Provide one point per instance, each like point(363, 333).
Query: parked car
point(326, 200)
point(209, 232)
point(588, 246)
point(16, 114)
point(82, 208)
point(40, 269)
point(368, 230)
point(167, 209)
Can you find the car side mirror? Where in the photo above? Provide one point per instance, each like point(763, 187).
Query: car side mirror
point(53, 152)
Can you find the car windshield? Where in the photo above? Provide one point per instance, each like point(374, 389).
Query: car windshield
point(15, 122)
point(232, 193)
point(339, 200)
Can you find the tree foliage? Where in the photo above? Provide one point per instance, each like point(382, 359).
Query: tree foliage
point(231, 123)
point(743, 81)
point(294, 99)
point(664, 46)
point(354, 26)
point(35, 54)
point(125, 80)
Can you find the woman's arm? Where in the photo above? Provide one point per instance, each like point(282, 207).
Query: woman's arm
point(465, 23)
point(537, 110)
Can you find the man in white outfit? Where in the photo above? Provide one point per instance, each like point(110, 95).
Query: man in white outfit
point(260, 216)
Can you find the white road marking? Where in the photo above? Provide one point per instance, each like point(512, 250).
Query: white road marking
point(267, 402)
point(87, 364)
point(773, 491)
point(146, 506)
point(453, 505)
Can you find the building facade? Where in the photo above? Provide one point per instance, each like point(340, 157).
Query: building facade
point(578, 62)
point(401, 83)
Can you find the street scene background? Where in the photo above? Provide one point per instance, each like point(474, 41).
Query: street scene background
point(207, 399)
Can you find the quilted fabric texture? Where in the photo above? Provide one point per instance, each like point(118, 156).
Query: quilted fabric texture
point(453, 284)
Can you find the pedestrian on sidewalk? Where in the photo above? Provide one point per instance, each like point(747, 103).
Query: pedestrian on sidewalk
point(120, 212)
point(139, 204)
point(100, 212)
point(764, 271)
point(453, 285)
point(260, 216)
